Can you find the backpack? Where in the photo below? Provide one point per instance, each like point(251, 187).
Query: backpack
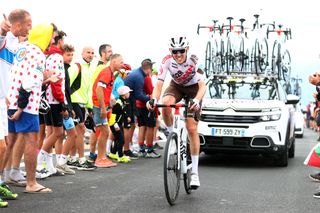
point(76, 84)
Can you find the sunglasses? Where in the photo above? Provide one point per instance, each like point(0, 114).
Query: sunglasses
point(178, 51)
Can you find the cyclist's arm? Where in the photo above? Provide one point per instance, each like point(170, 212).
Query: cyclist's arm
point(157, 90)
point(201, 90)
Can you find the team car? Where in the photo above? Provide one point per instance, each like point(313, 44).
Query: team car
point(248, 114)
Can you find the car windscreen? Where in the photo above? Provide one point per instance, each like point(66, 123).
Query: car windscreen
point(241, 89)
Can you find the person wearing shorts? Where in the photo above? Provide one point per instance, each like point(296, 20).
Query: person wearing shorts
point(188, 81)
point(55, 95)
point(28, 73)
point(101, 94)
point(16, 25)
point(81, 99)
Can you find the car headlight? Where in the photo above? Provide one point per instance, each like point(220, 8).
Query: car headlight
point(273, 117)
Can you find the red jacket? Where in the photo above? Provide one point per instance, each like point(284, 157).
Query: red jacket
point(148, 89)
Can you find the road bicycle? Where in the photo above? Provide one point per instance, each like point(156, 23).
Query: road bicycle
point(260, 52)
point(281, 59)
point(177, 161)
point(214, 55)
point(237, 54)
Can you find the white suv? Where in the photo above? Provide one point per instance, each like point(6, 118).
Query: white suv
point(248, 114)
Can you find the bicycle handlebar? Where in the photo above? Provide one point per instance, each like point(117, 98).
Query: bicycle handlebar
point(179, 105)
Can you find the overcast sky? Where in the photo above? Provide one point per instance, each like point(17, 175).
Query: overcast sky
point(141, 29)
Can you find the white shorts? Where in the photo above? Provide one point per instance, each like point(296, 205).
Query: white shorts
point(3, 119)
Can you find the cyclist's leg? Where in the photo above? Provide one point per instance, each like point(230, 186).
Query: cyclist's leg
point(192, 128)
point(171, 95)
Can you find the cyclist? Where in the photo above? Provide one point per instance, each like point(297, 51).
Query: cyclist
point(186, 82)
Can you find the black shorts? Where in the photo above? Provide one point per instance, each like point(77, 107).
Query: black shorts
point(146, 117)
point(54, 116)
point(180, 92)
point(41, 119)
point(80, 113)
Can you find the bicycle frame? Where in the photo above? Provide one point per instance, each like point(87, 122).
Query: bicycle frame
point(180, 130)
point(175, 155)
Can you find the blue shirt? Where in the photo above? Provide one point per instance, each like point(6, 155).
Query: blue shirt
point(116, 84)
point(135, 81)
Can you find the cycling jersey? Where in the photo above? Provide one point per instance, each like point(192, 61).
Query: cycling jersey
point(184, 74)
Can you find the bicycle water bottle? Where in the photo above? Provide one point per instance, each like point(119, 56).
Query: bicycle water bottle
point(68, 123)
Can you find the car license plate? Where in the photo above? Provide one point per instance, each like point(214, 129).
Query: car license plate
point(235, 132)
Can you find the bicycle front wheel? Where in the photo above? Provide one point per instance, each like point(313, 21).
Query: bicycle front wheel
point(171, 169)
point(186, 177)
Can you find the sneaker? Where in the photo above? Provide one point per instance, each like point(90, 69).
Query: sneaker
point(21, 183)
point(316, 195)
point(157, 146)
point(315, 177)
point(42, 174)
point(113, 156)
point(6, 193)
point(104, 163)
point(152, 154)
point(194, 182)
point(58, 172)
point(66, 169)
point(124, 159)
point(129, 153)
point(142, 154)
point(86, 166)
point(16, 178)
point(73, 164)
point(3, 203)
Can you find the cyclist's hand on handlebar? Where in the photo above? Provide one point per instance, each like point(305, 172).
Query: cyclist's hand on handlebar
point(151, 104)
point(194, 104)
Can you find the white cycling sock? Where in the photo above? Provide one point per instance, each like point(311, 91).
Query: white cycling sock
point(109, 143)
point(58, 156)
point(50, 166)
point(42, 156)
point(195, 162)
point(62, 160)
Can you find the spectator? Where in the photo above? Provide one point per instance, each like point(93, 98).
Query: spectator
point(146, 123)
point(119, 113)
point(24, 98)
point(81, 93)
point(16, 26)
point(101, 91)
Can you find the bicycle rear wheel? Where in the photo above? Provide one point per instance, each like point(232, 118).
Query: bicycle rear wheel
point(171, 170)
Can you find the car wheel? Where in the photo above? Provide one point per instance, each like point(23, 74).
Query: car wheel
point(292, 149)
point(282, 159)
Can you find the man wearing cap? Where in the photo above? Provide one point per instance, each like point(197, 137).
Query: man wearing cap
point(136, 81)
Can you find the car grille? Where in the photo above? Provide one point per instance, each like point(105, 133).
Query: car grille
point(229, 118)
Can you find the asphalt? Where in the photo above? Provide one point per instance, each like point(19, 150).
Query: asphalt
point(229, 183)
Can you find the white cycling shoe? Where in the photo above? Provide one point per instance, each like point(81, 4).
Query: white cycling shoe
point(194, 181)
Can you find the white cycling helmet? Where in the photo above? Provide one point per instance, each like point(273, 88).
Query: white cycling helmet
point(176, 43)
point(44, 106)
